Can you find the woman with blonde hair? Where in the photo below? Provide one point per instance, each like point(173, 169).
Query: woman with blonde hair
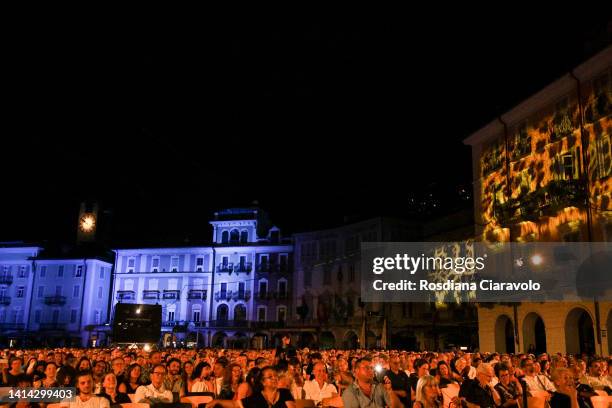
point(427, 393)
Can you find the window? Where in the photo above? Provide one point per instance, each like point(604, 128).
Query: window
point(234, 236)
point(174, 264)
point(131, 265)
point(199, 264)
point(58, 291)
point(43, 271)
point(281, 313)
point(224, 237)
point(23, 271)
point(37, 316)
point(60, 271)
point(327, 276)
point(282, 289)
point(55, 317)
point(196, 316)
point(261, 314)
point(601, 158)
point(283, 262)
point(76, 291)
point(41, 291)
point(100, 292)
point(73, 316)
point(241, 290)
point(129, 284)
point(240, 313)
point(223, 290)
point(155, 264)
point(263, 289)
point(97, 317)
point(222, 312)
point(567, 161)
point(78, 271)
point(171, 316)
point(244, 237)
point(20, 291)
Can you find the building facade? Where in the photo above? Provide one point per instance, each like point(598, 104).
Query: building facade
point(542, 173)
point(53, 301)
point(231, 293)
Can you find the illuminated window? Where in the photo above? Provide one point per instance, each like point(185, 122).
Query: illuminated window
point(60, 271)
point(78, 271)
point(174, 264)
point(244, 237)
point(20, 291)
point(567, 163)
point(199, 264)
point(155, 264)
point(225, 237)
point(131, 265)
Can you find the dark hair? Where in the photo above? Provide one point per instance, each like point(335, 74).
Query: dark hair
point(223, 361)
point(419, 362)
point(84, 373)
point(252, 375)
point(258, 385)
point(360, 360)
point(501, 367)
point(197, 371)
point(159, 365)
point(259, 360)
point(128, 372)
point(442, 363)
point(173, 360)
point(66, 372)
point(78, 366)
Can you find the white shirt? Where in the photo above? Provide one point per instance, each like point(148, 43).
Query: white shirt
point(316, 393)
point(538, 383)
point(200, 386)
point(149, 391)
point(93, 402)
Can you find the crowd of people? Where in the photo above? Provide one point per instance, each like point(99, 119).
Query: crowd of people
point(278, 377)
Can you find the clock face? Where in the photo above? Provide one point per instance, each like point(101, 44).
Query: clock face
point(87, 222)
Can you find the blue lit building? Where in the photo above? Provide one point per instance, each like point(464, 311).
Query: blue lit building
point(235, 292)
point(52, 300)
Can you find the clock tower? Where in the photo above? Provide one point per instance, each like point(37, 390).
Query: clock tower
point(87, 222)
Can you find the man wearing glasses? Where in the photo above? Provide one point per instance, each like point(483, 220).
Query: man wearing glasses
point(479, 392)
point(365, 393)
point(155, 392)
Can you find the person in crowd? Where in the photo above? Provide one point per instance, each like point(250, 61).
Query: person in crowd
point(109, 391)
point(319, 388)
point(508, 387)
point(595, 378)
point(49, 379)
point(155, 358)
point(443, 375)
point(427, 393)
point(84, 364)
point(479, 392)
point(565, 394)
point(86, 397)
point(535, 382)
point(400, 383)
point(174, 380)
point(118, 368)
point(131, 380)
point(187, 375)
point(66, 376)
point(100, 368)
point(364, 392)
point(11, 374)
point(23, 381)
point(155, 392)
point(203, 382)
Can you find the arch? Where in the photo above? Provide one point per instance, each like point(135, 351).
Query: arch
point(225, 237)
point(219, 340)
point(234, 236)
point(579, 334)
point(244, 236)
point(327, 340)
point(240, 313)
point(306, 339)
point(534, 333)
point(259, 341)
point(222, 312)
point(351, 340)
point(504, 335)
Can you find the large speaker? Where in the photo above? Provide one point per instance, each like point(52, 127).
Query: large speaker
point(137, 323)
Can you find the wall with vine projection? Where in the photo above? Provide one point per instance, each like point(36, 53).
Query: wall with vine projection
point(534, 184)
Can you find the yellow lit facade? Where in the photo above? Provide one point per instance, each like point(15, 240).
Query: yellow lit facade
point(543, 172)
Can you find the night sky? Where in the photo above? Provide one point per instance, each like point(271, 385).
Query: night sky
point(315, 120)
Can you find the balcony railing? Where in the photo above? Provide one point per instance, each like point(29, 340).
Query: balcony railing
point(196, 295)
point(272, 267)
point(55, 300)
point(229, 323)
point(243, 267)
point(241, 295)
point(5, 300)
point(52, 326)
point(126, 295)
point(6, 279)
point(227, 295)
point(171, 295)
point(227, 268)
point(12, 326)
point(150, 295)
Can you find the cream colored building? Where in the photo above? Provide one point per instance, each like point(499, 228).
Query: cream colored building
point(542, 172)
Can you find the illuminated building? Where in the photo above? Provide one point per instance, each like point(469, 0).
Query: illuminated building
point(542, 173)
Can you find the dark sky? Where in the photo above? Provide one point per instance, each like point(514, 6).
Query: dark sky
point(315, 119)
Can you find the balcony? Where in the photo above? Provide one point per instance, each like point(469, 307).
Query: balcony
point(12, 326)
point(244, 295)
point(6, 279)
point(243, 267)
point(55, 300)
point(171, 295)
point(227, 295)
point(126, 295)
point(150, 295)
point(52, 326)
point(196, 295)
point(227, 268)
point(5, 300)
point(229, 323)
